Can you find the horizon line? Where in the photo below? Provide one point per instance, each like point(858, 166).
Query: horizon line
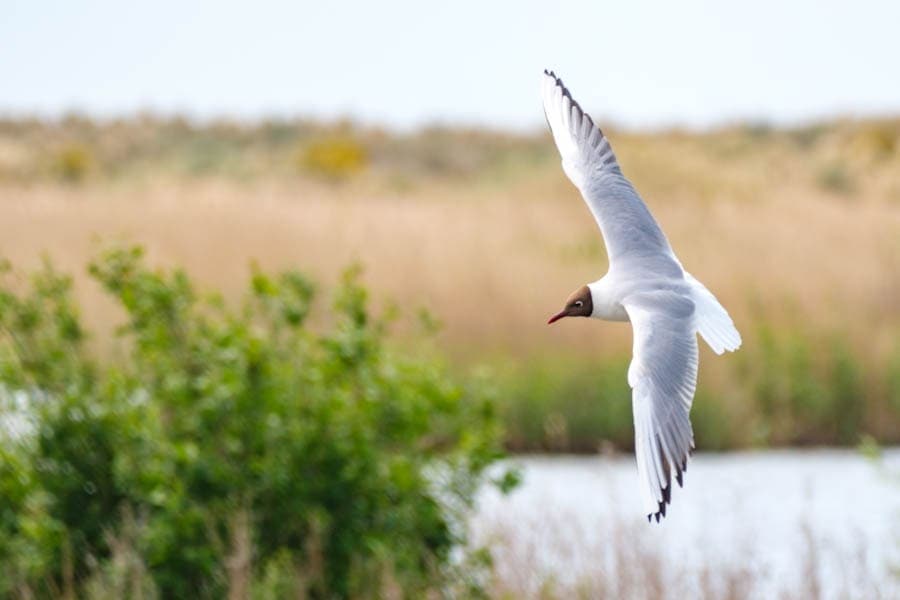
point(202, 119)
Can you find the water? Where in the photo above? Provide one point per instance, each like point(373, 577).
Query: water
point(802, 521)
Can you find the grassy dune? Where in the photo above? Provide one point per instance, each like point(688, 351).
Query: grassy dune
point(797, 232)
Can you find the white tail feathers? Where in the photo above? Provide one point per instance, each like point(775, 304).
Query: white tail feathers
point(713, 323)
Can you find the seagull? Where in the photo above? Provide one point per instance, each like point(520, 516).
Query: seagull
point(646, 285)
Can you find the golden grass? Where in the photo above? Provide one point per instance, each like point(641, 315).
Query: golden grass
point(491, 262)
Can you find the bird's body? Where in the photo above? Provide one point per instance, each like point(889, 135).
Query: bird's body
point(646, 285)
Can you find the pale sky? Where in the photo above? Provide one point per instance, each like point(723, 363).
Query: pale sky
point(403, 63)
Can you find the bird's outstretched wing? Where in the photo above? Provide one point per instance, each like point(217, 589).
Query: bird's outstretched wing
point(628, 228)
point(663, 376)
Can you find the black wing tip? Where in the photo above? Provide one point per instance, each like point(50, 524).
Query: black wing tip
point(667, 499)
point(568, 94)
point(680, 471)
point(667, 491)
point(561, 86)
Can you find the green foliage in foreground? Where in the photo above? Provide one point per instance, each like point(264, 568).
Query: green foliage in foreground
point(228, 450)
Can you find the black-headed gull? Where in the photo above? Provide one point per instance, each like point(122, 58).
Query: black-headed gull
point(646, 285)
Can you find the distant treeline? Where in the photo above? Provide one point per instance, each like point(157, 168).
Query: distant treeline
point(75, 147)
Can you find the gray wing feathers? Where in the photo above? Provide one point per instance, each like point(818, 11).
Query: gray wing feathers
point(589, 162)
point(663, 377)
point(581, 143)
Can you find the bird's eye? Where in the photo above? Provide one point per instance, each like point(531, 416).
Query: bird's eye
point(579, 303)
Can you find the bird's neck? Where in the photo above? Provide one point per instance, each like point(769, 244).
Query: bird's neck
point(607, 303)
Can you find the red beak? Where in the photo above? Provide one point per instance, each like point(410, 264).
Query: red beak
point(557, 317)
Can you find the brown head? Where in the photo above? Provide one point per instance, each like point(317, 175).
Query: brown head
point(579, 304)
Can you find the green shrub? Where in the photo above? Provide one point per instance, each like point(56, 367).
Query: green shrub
point(233, 449)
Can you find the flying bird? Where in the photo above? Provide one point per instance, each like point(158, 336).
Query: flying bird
point(646, 285)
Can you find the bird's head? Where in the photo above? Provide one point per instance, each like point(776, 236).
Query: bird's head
point(579, 304)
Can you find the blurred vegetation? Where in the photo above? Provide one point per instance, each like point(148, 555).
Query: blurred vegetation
point(137, 147)
point(73, 163)
point(229, 450)
point(568, 408)
point(786, 389)
point(797, 380)
point(67, 148)
point(836, 178)
point(334, 159)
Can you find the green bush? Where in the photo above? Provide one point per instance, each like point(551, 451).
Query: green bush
point(230, 449)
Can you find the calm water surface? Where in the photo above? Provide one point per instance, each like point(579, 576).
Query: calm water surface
point(780, 515)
